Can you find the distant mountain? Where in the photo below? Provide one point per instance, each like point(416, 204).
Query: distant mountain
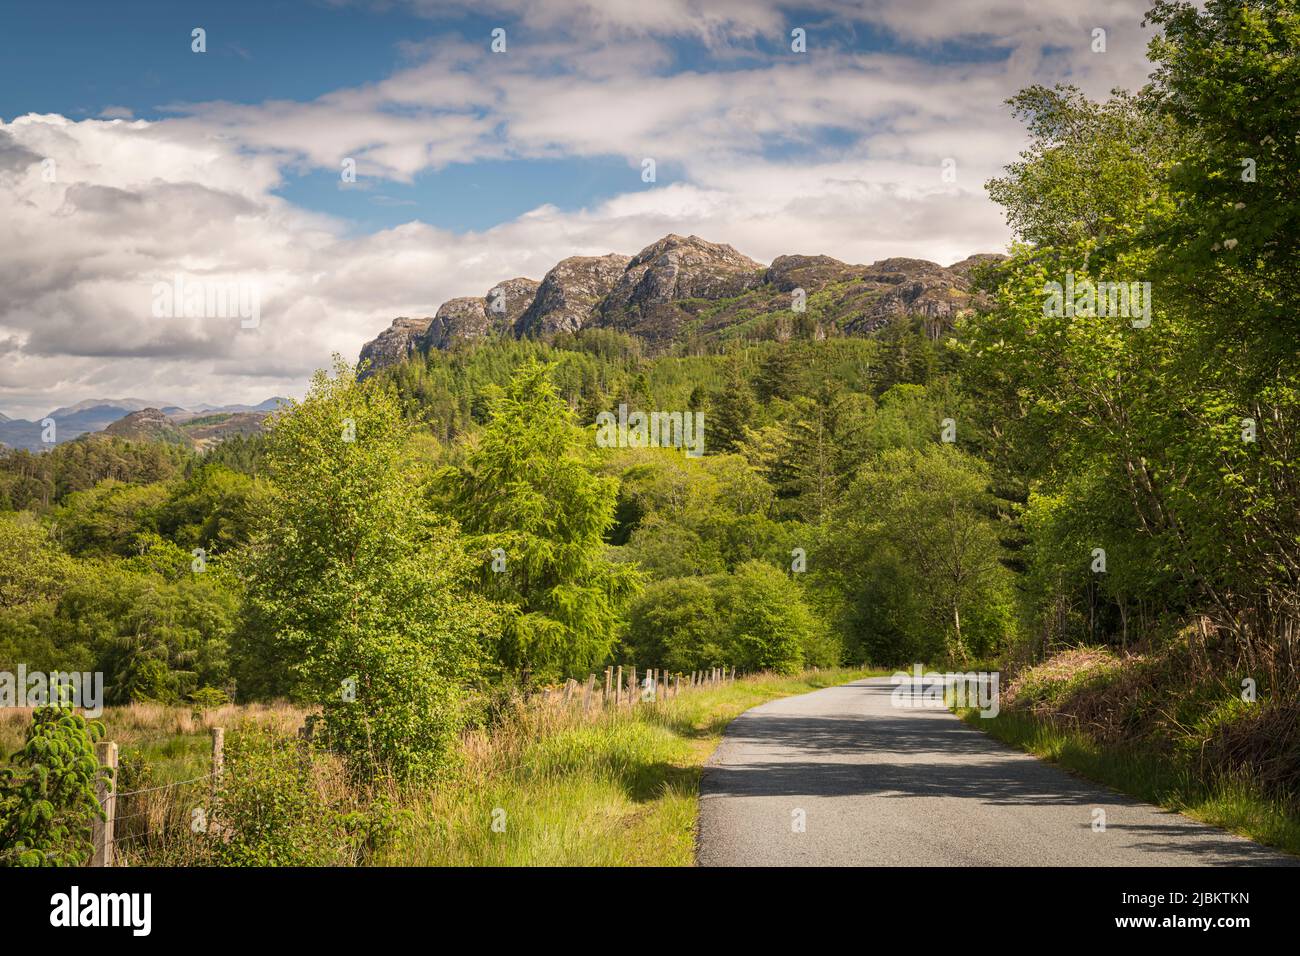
point(181, 415)
point(209, 430)
point(684, 288)
point(126, 404)
point(69, 423)
point(139, 420)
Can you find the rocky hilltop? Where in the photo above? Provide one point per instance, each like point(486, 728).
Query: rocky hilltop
point(199, 432)
point(570, 294)
point(685, 287)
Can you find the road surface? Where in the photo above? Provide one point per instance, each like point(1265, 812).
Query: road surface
point(839, 777)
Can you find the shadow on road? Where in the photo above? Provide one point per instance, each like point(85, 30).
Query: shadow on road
point(887, 753)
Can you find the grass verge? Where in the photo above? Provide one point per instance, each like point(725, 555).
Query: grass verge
point(621, 789)
point(1231, 804)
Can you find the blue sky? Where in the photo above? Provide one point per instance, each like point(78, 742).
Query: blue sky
point(101, 60)
point(127, 160)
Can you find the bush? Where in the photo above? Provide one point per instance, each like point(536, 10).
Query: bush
point(404, 718)
point(676, 623)
point(47, 798)
point(283, 803)
point(769, 621)
point(754, 619)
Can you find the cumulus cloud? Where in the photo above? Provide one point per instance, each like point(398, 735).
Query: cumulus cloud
point(837, 153)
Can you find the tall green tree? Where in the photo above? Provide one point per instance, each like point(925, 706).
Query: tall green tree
point(1169, 446)
point(538, 515)
point(357, 588)
point(732, 411)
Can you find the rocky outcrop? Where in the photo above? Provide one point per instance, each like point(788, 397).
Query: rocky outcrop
point(645, 300)
point(676, 268)
point(508, 301)
point(810, 273)
point(965, 266)
point(148, 424)
point(393, 345)
point(461, 318)
point(903, 287)
point(570, 293)
point(685, 288)
point(467, 318)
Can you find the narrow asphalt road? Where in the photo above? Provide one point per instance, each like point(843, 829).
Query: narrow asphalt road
point(839, 777)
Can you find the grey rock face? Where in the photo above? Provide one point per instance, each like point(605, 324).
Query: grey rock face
point(915, 287)
point(471, 317)
point(393, 345)
point(643, 301)
point(569, 294)
point(810, 273)
point(676, 268)
point(462, 318)
point(508, 301)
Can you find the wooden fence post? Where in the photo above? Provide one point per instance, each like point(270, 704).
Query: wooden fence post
point(618, 688)
point(101, 831)
point(604, 701)
point(218, 762)
point(632, 689)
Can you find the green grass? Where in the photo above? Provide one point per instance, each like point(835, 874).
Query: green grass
point(1232, 805)
point(620, 790)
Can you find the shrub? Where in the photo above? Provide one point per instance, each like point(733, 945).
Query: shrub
point(47, 798)
point(355, 585)
point(281, 802)
point(676, 623)
point(768, 619)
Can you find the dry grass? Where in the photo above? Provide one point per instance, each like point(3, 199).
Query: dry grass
point(1169, 725)
point(132, 725)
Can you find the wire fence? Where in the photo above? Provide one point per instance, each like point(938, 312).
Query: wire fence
point(148, 819)
point(167, 822)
